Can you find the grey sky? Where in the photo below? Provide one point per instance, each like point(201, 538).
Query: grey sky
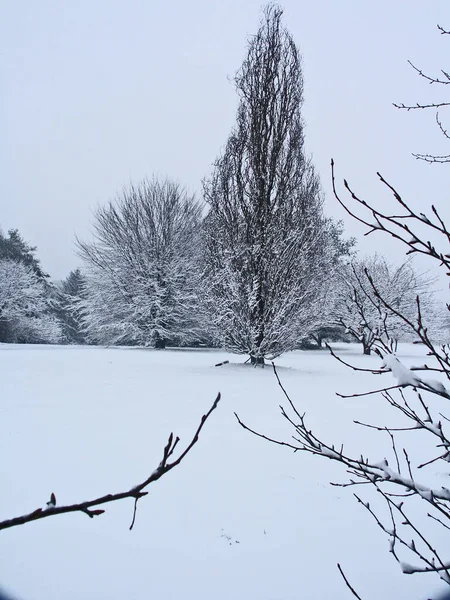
point(98, 93)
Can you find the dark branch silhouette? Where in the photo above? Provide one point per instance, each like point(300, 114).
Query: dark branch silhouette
point(412, 397)
point(136, 492)
point(442, 79)
point(347, 582)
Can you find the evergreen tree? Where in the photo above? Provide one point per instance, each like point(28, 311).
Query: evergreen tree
point(25, 315)
point(70, 295)
point(13, 247)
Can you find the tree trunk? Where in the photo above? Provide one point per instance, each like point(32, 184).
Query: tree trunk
point(160, 343)
point(318, 339)
point(257, 360)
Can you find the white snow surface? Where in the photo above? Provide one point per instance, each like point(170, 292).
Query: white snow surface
point(406, 377)
point(403, 375)
point(239, 518)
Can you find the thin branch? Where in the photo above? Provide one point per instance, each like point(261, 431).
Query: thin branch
point(385, 389)
point(265, 437)
point(135, 492)
point(429, 78)
point(294, 408)
point(438, 520)
point(134, 513)
point(422, 106)
point(431, 158)
point(378, 428)
point(347, 583)
point(341, 360)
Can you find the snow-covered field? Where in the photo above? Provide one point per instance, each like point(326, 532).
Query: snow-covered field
point(239, 519)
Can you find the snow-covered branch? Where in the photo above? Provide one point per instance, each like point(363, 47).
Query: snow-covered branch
point(385, 302)
point(25, 314)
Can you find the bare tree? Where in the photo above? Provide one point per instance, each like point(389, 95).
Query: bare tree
point(143, 276)
point(404, 484)
point(442, 79)
point(168, 462)
point(268, 246)
point(360, 311)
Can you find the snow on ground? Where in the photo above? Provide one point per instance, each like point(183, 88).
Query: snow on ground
point(239, 518)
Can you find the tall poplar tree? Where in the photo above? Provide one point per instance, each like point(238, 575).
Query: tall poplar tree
point(268, 247)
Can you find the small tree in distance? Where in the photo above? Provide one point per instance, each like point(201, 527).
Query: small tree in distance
point(269, 250)
point(359, 309)
point(69, 297)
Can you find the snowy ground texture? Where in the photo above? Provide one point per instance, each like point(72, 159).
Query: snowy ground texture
point(239, 518)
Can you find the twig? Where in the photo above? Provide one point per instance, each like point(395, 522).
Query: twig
point(136, 492)
point(392, 387)
point(346, 582)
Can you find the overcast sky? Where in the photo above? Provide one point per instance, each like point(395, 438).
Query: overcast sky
point(98, 93)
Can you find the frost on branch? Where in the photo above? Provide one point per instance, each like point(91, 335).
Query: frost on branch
point(25, 314)
point(269, 250)
point(403, 375)
point(369, 290)
point(419, 403)
point(142, 270)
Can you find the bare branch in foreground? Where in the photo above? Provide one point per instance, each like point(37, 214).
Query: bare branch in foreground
point(388, 482)
point(135, 492)
point(431, 158)
point(442, 79)
point(409, 481)
point(346, 582)
point(401, 227)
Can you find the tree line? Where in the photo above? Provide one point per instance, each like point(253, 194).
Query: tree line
point(258, 272)
point(256, 268)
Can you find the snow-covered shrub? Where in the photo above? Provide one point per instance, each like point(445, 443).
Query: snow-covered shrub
point(25, 315)
point(142, 270)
